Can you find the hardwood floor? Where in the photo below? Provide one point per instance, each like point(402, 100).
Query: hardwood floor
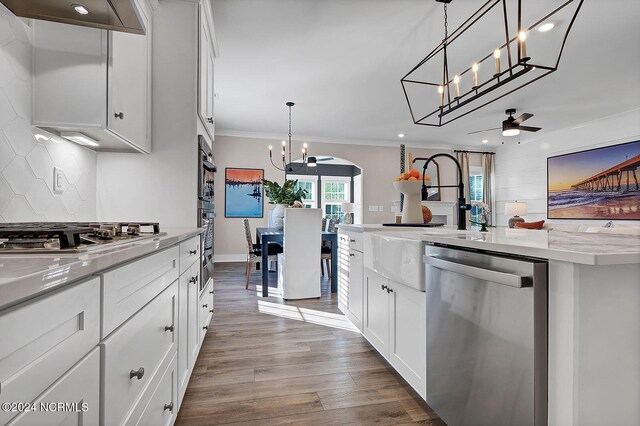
point(267, 362)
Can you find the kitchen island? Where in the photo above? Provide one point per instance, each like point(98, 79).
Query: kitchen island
point(593, 309)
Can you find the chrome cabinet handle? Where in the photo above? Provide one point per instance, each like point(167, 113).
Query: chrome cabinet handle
point(193, 280)
point(210, 120)
point(119, 115)
point(193, 251)
point(138, 374)
point(168, 407)
point(169, 328)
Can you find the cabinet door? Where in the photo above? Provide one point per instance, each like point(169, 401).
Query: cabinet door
point(183, 333)
point(129, 82)
point(376, 313)
point(356, 279)
point(205, 77)
point(408, 335)
point(193, 325)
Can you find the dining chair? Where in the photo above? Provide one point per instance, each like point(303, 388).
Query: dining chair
point(298, 271)
point(254, 251)
point(325, 250)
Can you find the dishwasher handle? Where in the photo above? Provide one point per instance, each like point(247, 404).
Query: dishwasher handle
point(512, 280)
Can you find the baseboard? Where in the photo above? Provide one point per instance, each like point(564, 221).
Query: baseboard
point(220, 258)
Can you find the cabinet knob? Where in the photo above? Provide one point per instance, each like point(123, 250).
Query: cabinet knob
point(211, 292)
point(210, 120)
point(206, 327)
point(139, 373)
point(383, 287)
point(389, 290)
point(205, 306)
point(211, 310)
point(353, 241)
point(193, 280)
point(351, 254)
point(119, 115)
point(169, 328)
point(168, 407)
point(193, 251)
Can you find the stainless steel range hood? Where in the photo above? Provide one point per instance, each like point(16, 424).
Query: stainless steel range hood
point(115, 15)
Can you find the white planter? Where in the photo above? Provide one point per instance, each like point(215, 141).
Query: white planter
point(277, 216)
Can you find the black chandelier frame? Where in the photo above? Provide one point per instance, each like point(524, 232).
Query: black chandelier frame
point(287, 167)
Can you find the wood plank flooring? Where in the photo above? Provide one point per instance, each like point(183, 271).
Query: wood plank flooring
point(267, 362)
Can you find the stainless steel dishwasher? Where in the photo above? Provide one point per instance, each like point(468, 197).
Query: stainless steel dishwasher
point(486, 337)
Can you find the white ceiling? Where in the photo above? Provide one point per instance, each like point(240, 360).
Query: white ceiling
point(341, 62)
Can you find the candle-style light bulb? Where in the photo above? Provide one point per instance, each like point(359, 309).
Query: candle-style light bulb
point(456, 81)
point(496, 54)
point(284, 143)
point(474, 68)
point(305, 145)
point(441, 92)
point(523, 46)
point(270, 151)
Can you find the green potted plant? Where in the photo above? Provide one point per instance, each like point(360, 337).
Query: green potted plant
point(283, 197)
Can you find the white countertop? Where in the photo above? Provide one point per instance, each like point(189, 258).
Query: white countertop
point(24, 276)
point(575, 247)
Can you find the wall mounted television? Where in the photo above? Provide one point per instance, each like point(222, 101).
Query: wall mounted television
point(600, 183)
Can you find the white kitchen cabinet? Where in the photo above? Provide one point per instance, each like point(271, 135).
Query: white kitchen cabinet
point(188, 331)
point(356, 287)
point(134, 354)
point(42, 338)
point(206, 59)
point(395, 324)
point(159, 405)
point(193, 313)
point(79, 386)
point(351, 276)
point(375, 324)
point(205, 307)
point(94, 82)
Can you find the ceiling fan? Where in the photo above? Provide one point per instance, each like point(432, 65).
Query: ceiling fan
point(512, 126)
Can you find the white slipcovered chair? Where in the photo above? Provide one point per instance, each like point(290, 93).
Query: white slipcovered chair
point(298, 268)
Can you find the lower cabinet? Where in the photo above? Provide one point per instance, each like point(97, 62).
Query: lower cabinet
point(205, 306)
point(395, 323)
point(350, 277)
point(159, 406)
point(78, 389)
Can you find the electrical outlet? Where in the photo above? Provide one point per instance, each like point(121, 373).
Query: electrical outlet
point(381, 208)
point(373, 208)
point(58, 180)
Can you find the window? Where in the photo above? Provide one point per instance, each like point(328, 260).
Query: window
point(335, 191)
point(309, 183)
point(475, 191)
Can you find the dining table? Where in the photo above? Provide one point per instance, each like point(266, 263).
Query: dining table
point(266, 236)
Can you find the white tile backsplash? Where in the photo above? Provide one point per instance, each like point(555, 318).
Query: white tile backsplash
point(26, 163)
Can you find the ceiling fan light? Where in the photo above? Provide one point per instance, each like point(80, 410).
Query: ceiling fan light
point(510, 132)
point(311, 162)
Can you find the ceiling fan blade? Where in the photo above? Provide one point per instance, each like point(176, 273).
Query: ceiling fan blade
point(486, 130)
point(324, 159)
point(522, 118)
point(529, 128)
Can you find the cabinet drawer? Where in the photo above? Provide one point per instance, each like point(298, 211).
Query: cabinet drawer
point(80, 386)
point(127, 289)
point(159, 406)
point(140, 346)
point(189, 253)
point(41, 339)
point(205, 308)
point(354, 239)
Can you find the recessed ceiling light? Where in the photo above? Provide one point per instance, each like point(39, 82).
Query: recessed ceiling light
point(80, 9)
point(401, 135)
point(547, 26)
point(484, 141)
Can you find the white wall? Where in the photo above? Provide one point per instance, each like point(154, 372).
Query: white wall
point(379, 164)
point(521, 170)
point(26, 163)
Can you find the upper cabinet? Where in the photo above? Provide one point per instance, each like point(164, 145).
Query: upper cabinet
point(206, 57)
point(95, 83)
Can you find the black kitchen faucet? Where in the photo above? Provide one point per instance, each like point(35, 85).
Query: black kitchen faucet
point(462, 203)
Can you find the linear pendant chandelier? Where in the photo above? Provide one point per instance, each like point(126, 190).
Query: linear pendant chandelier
point(469, 70)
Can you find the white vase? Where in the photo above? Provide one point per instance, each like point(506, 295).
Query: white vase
point(412, 207)
point(277, 216)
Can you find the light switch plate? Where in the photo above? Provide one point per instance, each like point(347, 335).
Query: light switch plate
point(381, 208)
point(58, 180)
point(373, 208)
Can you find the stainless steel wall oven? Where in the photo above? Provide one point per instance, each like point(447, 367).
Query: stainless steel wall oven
point(206, 205)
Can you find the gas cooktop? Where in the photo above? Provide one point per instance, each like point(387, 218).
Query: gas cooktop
point(71, 237)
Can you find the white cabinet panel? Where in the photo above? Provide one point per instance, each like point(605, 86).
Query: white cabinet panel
point(159, 407)
point(42, 339)
point(205, 307)
point(408, 335)
point(193, 325)
point(79, 386)
point(127, 289)
point(376, 312)
point(356, 284)
point(134, 354)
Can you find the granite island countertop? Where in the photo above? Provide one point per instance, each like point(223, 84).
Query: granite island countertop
point(576, 247)
point(25, 276)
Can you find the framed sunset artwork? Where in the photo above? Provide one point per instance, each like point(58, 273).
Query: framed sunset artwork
point(600, 183)
point(243, 192)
